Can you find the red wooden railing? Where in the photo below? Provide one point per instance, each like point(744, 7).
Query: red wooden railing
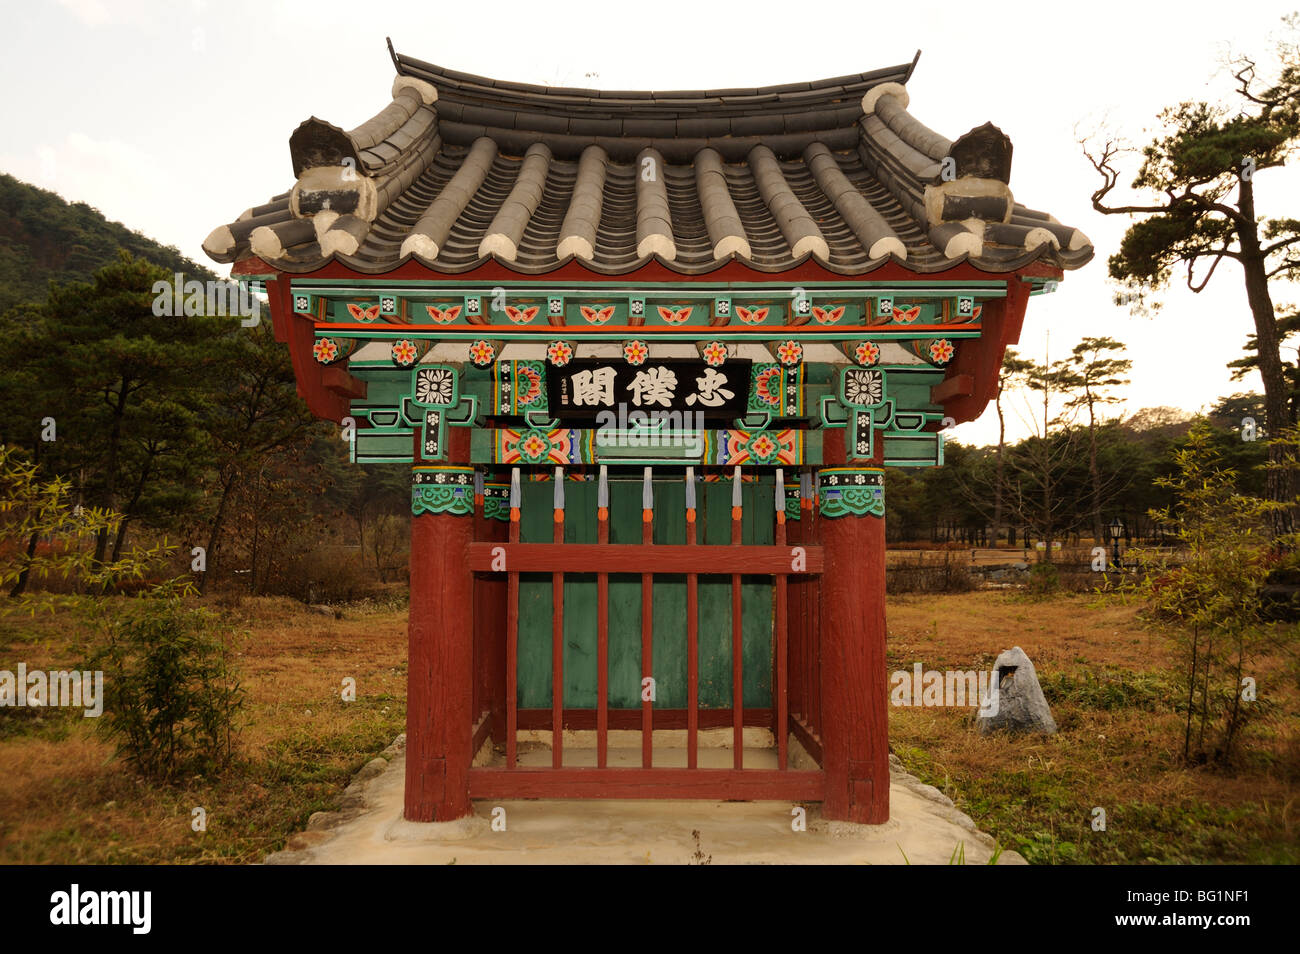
point(794, 561)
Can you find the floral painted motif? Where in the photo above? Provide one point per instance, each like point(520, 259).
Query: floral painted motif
point(828, 316)
point(443, 315)
point(532, 446)
point(528, 385)
point(863, 387)
point(434, 385)
point(867, 353)
point(768, 386)
point(675, 317)
point(482, 352)
point(751, 316)
point(941, 351)
point(521, 316)
point(636, 352)
point(762, 448)
point(730, 447)
point(596, 316)
point(789, 352)
point(404, 353)
point(325, 350)
point(362, 313)
point(535, 446)
point(714, 353)
point(907, 315)
point(559, 353)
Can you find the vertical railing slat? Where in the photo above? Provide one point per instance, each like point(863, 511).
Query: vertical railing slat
point(602, 625)
point(794, 614)
point(647, 624)
point(807, 601)
point(512, 631)
point(692, 636)
point(782, 717)
point(737, 636)
point(815, 622)
point(557, 632)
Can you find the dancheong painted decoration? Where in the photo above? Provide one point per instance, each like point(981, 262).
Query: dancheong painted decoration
point(650, 357)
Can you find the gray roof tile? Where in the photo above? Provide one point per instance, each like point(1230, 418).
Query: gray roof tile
point(873, 180)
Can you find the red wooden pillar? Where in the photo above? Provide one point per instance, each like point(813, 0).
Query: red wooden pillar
point(440, 665)
point(855, 731)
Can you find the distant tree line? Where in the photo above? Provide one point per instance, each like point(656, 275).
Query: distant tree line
point(1073, 483)
point(192, 427)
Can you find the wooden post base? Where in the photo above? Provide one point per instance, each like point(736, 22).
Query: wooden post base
point(855, 715)
point(440, 666)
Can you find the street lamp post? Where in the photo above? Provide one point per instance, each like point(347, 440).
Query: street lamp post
point(1116, 529)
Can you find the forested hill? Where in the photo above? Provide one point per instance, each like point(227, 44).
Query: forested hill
point(44, 238)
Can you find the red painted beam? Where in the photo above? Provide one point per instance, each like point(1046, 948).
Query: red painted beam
point(717, 784)
point(300, 332)
point(981, 357)
point(338, 380)
point(639, 558)
point(584, 720)
point(954, 386)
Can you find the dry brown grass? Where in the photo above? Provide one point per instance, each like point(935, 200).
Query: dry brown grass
point(1119, 747)
point(65, 798)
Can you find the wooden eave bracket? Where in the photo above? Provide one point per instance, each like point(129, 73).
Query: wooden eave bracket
point(341, 382)
point(958, 385)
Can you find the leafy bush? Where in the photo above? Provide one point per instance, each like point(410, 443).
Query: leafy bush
point(1044, 579)
point(171, 696)
point(1208, 605)
point(1110, 691)
point(45, 539)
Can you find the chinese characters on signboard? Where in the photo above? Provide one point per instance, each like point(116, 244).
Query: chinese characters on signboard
point(584, 388)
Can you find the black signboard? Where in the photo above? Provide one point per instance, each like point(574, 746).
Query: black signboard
point(583, 389)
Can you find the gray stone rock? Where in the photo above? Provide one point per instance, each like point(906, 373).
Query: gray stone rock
point(371, 769)
point(1019, 703)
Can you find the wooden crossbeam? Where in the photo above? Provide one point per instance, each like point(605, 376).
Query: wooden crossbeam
point(642, 558)
point(572, 782)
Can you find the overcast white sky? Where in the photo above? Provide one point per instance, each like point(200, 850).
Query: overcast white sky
point(173, 117)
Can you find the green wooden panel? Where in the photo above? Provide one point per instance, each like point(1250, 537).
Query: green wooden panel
point(669, 669)
point(535, 604)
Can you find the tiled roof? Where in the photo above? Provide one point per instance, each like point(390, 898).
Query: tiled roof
point(459, 169)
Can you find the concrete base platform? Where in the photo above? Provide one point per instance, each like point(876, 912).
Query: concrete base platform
point(923, 828)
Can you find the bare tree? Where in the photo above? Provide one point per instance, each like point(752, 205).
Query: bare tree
point(1205, 153)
